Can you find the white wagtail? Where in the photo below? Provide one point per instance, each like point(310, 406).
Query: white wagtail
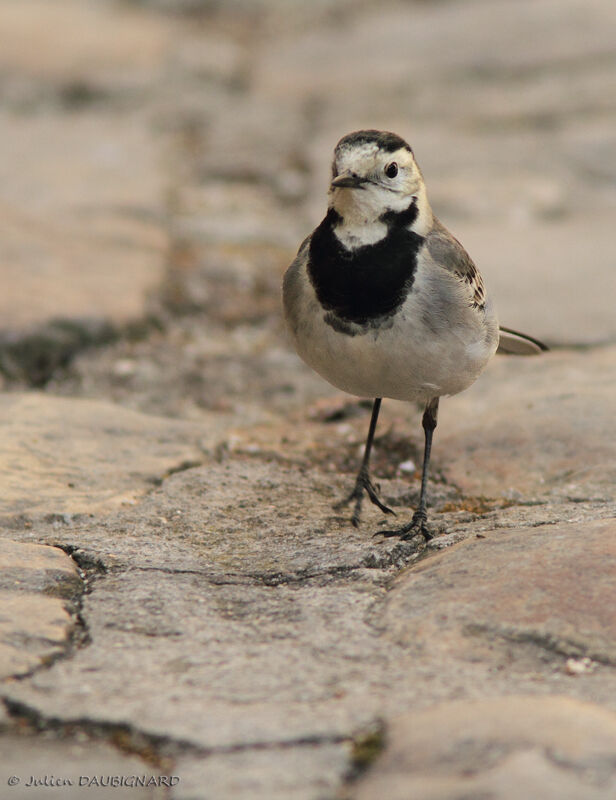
point(382, 301)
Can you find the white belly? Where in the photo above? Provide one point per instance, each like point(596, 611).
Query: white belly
point(425, 350)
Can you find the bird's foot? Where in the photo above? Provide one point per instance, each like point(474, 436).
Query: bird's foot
point(362, 484)
point(418, 526)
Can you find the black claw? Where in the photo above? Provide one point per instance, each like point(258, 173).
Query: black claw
point(374, 498)
point(418, 526)
point(363, 484)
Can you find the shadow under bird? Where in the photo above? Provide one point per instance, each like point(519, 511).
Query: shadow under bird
point(382, 301)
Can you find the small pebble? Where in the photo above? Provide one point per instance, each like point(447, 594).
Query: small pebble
point(124, 367)
point(578, 666)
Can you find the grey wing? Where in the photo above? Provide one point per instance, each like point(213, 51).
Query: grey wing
point(293, 283)
point(448, 253)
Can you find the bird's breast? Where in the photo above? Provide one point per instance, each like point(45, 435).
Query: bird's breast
point(433, 343)
point(364, 283)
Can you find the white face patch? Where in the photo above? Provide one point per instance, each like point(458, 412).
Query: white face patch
point(363, 206)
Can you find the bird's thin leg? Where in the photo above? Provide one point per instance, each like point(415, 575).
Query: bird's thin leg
point(419, 522)
point(363, 482)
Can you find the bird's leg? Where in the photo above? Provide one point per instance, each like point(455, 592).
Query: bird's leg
point(363, 482)
point(419, 522)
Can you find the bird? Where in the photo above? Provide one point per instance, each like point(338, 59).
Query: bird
point(383, 301)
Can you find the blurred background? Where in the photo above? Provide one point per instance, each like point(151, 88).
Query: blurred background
point(162, 160)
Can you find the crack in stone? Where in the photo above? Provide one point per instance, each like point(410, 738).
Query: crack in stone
point(183, 466)
point(89, 565)
point(154, 748)
point(36, 356)
point(399, 556)
point(90, 569)
point(259, 578)
point(79, 635)
point(304, 575)
point(597, 769)
point(561, 645)
point(229, 579)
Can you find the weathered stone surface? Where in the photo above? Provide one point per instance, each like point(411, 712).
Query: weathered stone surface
point(248, 372)
point(541, 426)
point(234, 587)
point(82, 763)
point(503, 748)
point(37, 568)
point(63, 455)
point(34, 629)
point(246, 518)
point(234, 663)
point(80, 237)
point(82, 194)
point(549, 586)
point(496, 44)
point(304, 772)
point(34, 623)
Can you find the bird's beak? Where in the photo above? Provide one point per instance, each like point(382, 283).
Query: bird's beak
point(348, 180)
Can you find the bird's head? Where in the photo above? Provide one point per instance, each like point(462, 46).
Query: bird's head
point(374, 173)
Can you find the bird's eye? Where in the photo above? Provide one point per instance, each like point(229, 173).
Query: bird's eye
point(391, 170)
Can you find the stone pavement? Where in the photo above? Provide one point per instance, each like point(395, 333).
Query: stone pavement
point(182, 607)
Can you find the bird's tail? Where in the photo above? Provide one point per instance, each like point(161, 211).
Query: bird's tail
point(512, 343)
